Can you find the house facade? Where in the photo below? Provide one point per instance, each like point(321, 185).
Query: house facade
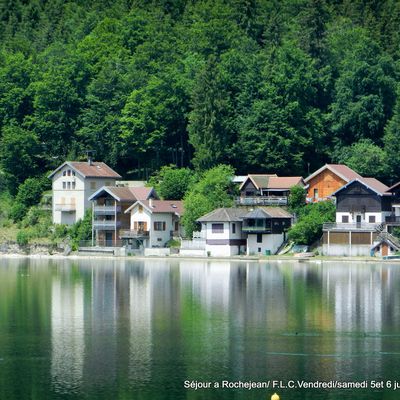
point(234, 231)
point(73, 183)
point(267, 189)
point(222, 230)
point(109, 205)
point(266, 229)
point(327, 180)
point(363, 207)
point(153, 223)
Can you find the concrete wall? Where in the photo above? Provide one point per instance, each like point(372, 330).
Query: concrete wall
point(157, 252)
point(222, 250)
point(269, 242)
point(192, 252)
point(346, 250)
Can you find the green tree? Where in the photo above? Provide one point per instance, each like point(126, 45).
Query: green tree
point(171, 182)
point(297, 198)
point(308, 228)
point(19, 151)
point(363, 154)
point(213, 190)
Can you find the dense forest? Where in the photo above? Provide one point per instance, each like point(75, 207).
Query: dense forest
point(262, 85)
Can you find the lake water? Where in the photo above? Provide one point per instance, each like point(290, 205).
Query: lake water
point(105, 329)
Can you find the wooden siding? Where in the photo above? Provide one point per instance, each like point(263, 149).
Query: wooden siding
point(326, 182)
point(249, 189)
point(358, 198)
point(357, 238)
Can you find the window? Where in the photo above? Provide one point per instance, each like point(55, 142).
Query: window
point(345, 219)
point(64, 185)
point(93, 185)
point(64, 173)
point(372, 219)
point(217, 228)
point(259, 238)
point(140, 208)
point(259, 249)
point(68, 185)
point(316, 193)
point(69, 172)
point(159, 240)
point(73, 173)
point(73, 185)
point(159, 226)
point(233, 228)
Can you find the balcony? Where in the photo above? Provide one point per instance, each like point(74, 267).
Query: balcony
point(65, 207)
point(106, 210)
point(136, 234)
point(358, 226)
point(106, 225)
point(259, 226)
point(262, 201)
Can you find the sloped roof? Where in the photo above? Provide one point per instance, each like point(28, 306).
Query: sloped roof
point(225, 214)
point(395, 186)
point(273, 181)
point(371, 183)
point(160, 206)
point(276, 212)
point(93, 170)
point(341, 170)
point(284, 182)
point(123, 194)
point(378, 186)
point(257, 213)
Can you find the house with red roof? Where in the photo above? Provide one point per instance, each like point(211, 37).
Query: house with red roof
point(153, 223)
point(267, 189)
point(109, 205)
point(73, 182)
point(327, 180)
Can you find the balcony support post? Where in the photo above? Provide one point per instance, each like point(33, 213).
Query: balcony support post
point(115, 222)
point(92, 223)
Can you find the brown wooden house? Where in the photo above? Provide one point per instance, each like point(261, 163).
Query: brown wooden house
point(327, 180)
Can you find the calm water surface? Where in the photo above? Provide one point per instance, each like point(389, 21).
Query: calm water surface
point(139, 329)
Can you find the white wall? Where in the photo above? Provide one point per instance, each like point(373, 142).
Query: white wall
point(379, 217)
point(80, 194)
point(270, 242)
point(346, 250)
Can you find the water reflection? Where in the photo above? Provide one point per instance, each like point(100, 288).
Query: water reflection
point(141, 328)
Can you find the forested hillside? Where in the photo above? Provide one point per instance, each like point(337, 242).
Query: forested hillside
point(263, 85)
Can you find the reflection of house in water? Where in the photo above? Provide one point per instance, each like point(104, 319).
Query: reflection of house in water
point(67, 336)
point(140, 341)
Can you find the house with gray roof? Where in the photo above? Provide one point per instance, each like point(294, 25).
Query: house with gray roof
point(244, 230)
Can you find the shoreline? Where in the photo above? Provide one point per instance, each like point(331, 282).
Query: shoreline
point(253, 259)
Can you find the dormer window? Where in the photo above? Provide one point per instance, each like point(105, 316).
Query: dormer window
point(64, 173)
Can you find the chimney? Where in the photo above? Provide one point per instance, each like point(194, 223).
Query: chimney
point(89, 160)
point(90, 154)
point(151, 202)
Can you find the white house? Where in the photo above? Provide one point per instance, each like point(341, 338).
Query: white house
point(73, 183)
point(266, 229)
point(154, 222)
point(233, 231)
point(222, 229)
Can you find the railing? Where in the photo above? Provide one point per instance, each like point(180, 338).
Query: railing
point(101, 243)
point(392, 218)
point(262, 201)
point(106, 210)
point(106, 224)
point(255, 229)
point(65, 207)
point(362, 226)
point(133, 233)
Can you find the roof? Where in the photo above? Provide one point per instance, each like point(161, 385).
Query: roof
point(283, 182)
point(371, 183)
point(341, 170)
point(124, 194)
point(273, 181)
point(92, 170)
point(160, 206)
point(239, 213)
point(225, 214)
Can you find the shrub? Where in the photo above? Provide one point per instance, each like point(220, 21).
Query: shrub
point(22, 238)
